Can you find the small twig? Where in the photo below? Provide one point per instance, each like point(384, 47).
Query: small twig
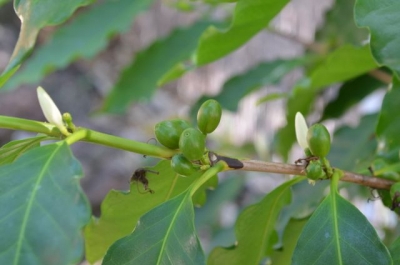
point(271, 167)
point(381, 76)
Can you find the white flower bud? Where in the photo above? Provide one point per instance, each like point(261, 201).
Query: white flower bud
point(301, 130)
point(50, 110)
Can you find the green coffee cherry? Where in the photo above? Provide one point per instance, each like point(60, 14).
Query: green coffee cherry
point(314, 170)
point(181, 165)
point(209, 116)
point(319, 140)
point(168, 132)
point(192, 144)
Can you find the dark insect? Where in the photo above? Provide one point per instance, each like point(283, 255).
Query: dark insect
point(395, 203)
point(306, 160)
point(140, 176)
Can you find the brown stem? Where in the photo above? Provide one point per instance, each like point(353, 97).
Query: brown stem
point(381, 76)
point(271, 167)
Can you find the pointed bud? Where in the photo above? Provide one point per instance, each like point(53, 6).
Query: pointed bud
point(50, 110)
point(301, 130)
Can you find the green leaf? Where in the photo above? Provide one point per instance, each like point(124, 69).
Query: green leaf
point(165, 235)
point(2, 2)
point(339, 27)
point(255, 229)
point(283, 256)
point(363, 145)
point(43, 208)
point(380, 16)
point(84, 37)
point(264, 74)
point(338, 233)
point(35, 15)
point(350, 94)
point(272, 97)
point(395, 251)
point(341, 65)
point(139, 80)
point(121, 210)
point(301, 206)
point(388, 126)
point(14, 149)
point(249, 18)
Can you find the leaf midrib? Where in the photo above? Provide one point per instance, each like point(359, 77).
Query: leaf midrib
point(29, 206)
point(167, 234)
point(336, 225)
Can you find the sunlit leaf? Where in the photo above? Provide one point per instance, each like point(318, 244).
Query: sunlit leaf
point(250, 16)
point(165, 235)
point(84, 37)
point(338, 233)
point(381, 18)
point(255, 229)
point(120, 211)
point(43, 208)
point(35, 15)
point(139, 80)
point(12, 150)
point(343, 64)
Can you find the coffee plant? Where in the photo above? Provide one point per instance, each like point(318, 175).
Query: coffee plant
point(45, 217)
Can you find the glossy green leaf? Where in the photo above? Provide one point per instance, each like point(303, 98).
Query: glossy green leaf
point(139, 80)
point(121, 210)
point(381, 18)
point(363, 145)
point(14, 149)
point(165, 235)
point(395, 251)
point(249, 18)
point(43, 208)
point(341, 65)
point(35, 15)
point(339, 27)
point(388, 126)
point(255, 229)
point(283, 256)
point(338, 233)
point(350, 94)
point(84, 37)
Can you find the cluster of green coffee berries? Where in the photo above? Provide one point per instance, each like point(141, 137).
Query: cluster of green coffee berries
point(180, 134)
point(316, 142)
